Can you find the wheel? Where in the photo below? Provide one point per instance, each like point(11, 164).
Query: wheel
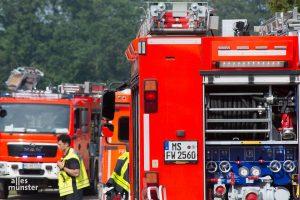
point(93, 188)
point(3, 190)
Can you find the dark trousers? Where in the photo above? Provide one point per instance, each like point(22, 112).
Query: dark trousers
point(77, 195)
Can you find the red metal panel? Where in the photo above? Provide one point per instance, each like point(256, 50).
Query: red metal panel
point(176, 68)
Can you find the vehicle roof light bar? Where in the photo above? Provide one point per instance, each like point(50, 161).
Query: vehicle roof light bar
point(251, 64)
point(94, 88)
point(69, 88)
point(36, 95)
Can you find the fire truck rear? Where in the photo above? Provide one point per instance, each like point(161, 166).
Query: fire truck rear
point(28, 132)
point(213, 117)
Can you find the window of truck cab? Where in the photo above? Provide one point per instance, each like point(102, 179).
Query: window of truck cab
point(35, 118)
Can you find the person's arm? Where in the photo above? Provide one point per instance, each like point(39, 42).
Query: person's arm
point(72, 167)
point(71, 172)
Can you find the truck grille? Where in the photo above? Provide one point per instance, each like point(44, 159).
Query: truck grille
point(32, 150)
point(31, 172)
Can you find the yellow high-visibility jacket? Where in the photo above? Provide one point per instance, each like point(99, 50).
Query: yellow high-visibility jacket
point(120, 177)
point(65, 181)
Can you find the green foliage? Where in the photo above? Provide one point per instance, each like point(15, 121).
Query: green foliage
point(282, 5)
point(70, 41)
point(255, 11)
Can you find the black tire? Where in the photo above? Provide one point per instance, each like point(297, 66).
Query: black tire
point(3, 190)
point(27, 192)
point(93, 188)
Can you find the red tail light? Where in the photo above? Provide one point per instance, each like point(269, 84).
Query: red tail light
point(220, 190)
point(251, 196)
point(150, 96)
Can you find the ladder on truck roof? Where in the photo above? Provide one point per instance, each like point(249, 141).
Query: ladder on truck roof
point(281, 24)
point(178, 18)
point(90, 88)
point(24, 78)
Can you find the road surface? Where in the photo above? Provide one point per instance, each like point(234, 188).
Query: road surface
point(43, 195)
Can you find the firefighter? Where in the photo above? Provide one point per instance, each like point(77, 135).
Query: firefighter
point(118, 183)
point(72, 175)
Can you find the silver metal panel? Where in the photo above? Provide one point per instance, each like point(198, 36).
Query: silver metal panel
point(214, 22)
point(179, 40)
point(237, 120)
point(179, 9)
point(273, 79)
point(270, 124)
point(236, 109)
point(229, 80)
point(238, 131)
point(247, 142)
point(257, 79)
point(235, 94)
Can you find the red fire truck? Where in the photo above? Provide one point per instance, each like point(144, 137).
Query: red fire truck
point(34, 119)
point(113, 147)
point(213, 117)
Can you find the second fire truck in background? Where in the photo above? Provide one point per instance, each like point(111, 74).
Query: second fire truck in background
point(28, 132)
point(113, 147)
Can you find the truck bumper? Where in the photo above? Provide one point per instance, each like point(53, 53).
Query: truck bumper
point(10, 170)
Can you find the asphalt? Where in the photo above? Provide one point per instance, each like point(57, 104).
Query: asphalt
point(45, 195)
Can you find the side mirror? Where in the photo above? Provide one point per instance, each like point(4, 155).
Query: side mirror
point(108, 104)
point(108, 130)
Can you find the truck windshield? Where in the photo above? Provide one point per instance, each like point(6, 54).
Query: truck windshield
point(35, 118)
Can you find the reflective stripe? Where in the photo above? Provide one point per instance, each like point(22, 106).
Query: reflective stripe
point(119, 177)
point(109, 160)
point(124, 168)
point(146, 142)
point(251, 52)
point(120, 181)
point(174, 41)
point(124, 156)
point(66, 190)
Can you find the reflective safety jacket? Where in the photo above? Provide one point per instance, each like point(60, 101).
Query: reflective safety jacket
point(65, 181)
point(120, 177)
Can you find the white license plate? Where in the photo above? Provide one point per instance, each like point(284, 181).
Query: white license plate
point(181, 151)
point(32, 166)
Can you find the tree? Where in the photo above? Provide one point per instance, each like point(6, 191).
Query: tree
point(70, 41)
point(255, 11)
point(282, 5)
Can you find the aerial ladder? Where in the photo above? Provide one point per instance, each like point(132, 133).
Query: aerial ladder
point(24, 78)
point(281, 24)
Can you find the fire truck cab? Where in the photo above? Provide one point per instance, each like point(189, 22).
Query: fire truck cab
point(213, 117)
